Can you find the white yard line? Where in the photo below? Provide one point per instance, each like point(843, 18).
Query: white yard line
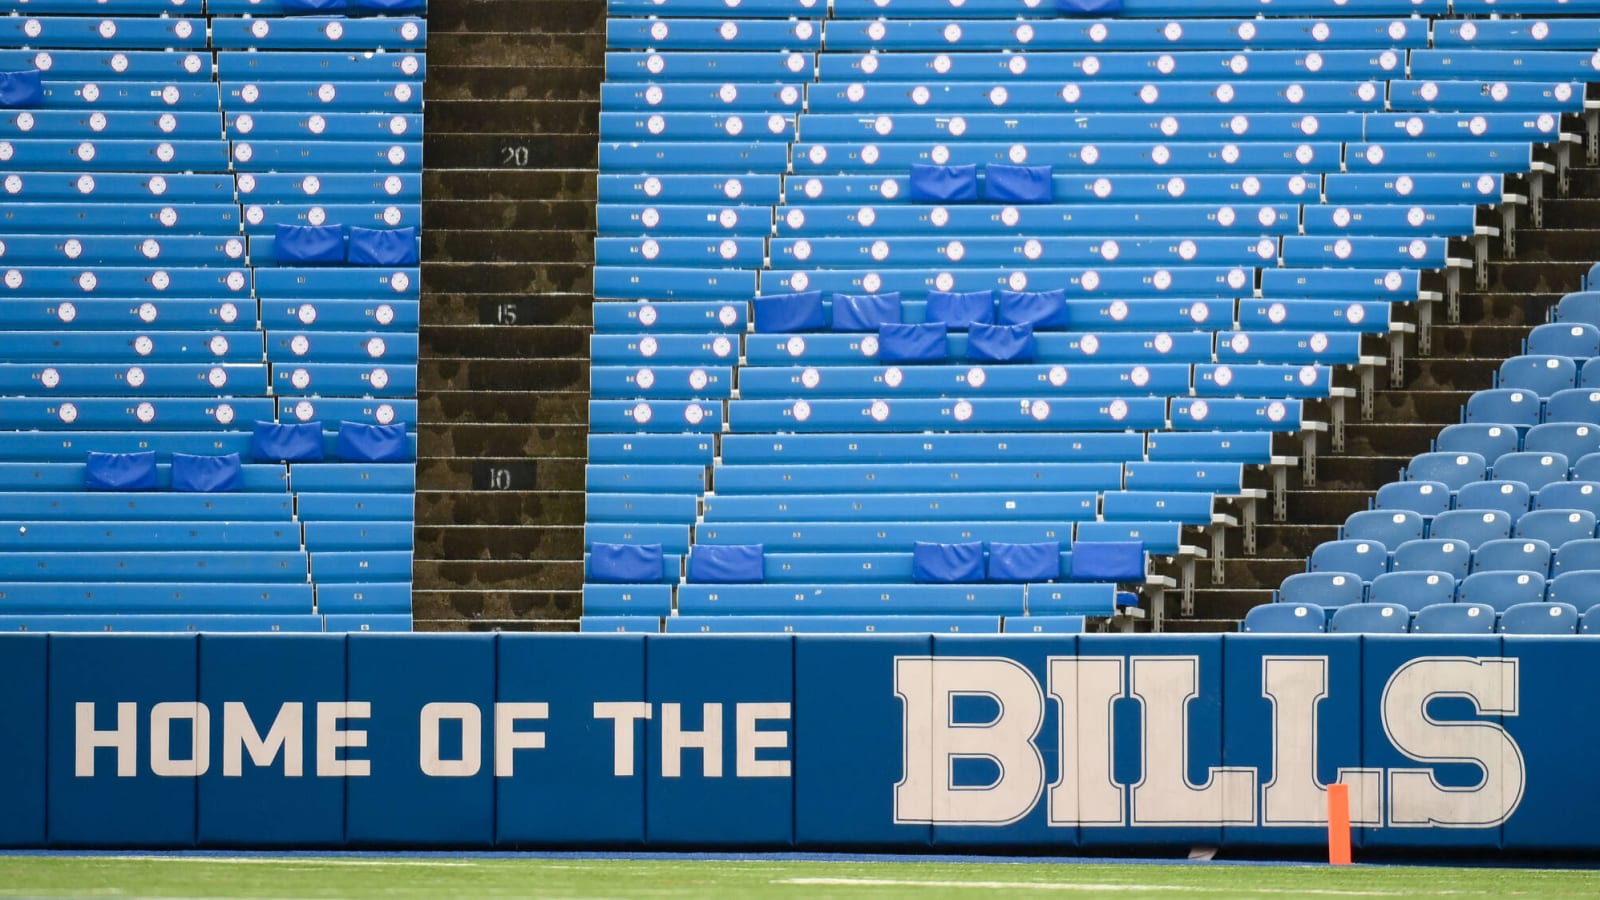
point(291, 861)
point(1096, 888)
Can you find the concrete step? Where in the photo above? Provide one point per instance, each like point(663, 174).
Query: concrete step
point(1480, 341)
point(491, 245)
point(467, 542)
point(506, 215)
point(509, 310)
point(571, 45)
point(1535, 275)
point(1425, 401)
point(1523, 309)
point(467, 80)
point(503, 374)
point(1548, 243)
point(1176, 625)
point(1388, 438)
point(494, 15)
point(505, 574)
point(550, 473)
point(504, 407)
point(507, 277)
point(1220, 604)
point(454, 191)
point(557, 115)
point(477, 440)
point(497, 148)
point(496, 605)
point(505, 342)
point(1293, 540)
point(508, 507)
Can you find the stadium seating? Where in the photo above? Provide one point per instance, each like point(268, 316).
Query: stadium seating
point(157, 327)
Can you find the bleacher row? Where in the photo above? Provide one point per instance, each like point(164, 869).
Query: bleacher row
point(1175, 298)
point(164, 168)
point(1497, 520)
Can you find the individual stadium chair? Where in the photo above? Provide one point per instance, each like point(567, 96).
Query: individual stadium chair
point(1453, 470)
point(1454, 618)
point(1413, 590)
point(1574, 440)
point(1285, 618)
point(1365, 559)
point(1426, 498)
point(1324, 589)
point(1501, 590)
point(1389, 528)
point(1591, 621)
point(1579, 587)
point(1474, 526)
point(1512, 555)
point(1543, 375)
point(1371, 618)
point(1586, 467)
point(1557, 527)
point(1533, 469)
point(1511, 496)
point(1579, 404)
point(1449, 555)
point(1485, 439)
point(1540, 618)
point(1569, 495)
point(1577, 556)
point(1579, 306)
point(1517, 406)
point(1577, 340)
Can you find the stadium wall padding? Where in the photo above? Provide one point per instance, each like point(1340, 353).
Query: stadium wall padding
point(958, 743)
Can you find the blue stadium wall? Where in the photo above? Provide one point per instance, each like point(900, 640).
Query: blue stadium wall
point(967, 744)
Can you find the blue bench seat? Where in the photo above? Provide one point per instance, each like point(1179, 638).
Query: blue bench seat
point(340, 314)
point(126, 282)
point(43, 535)
point(70, 446)
point(1173, 126)
point(389, 348)
point(348, 507)
point(133, 414)
point(976, 415)
point(1097, 348)
point(258, 156)
point(368, 535)
point(92, 65)
point(1115, 34)
point(368, 411)
point(684, 219)
point(154, 314)
point(321, 126)
point(33, 124)
point(1191, 157)
point(876, 536)
point(685, 382)
point(255, 566)
point(1175, 63)
point(64, 476)
point(336, 96)
point(120, 250)
point(1098, 96)
point(814, 478)
point(261, 220)
point(349, 477)
point(110, 190)
point(365, 599)
point(1120, 281)
point(914, 219)
point(344, 380)
point(94, 94)
point(113, 214)
point(1023, 381)
point(361, 566)
point(651, 449)
point(157, 507)
point(366, 622)
point(1049, 506)
point(1075, 188)
point(856, 447)
point(253, 65)
point(246, 623)
point(99, 31)
point(331, 187)
point(119, 154)
point(890, 623)
point(393, 33)
point(850, 599)
point(188, 598)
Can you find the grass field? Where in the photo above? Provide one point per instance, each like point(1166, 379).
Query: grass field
point(443, 876)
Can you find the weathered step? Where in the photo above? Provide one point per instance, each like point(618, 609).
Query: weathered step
point(1482, 341)
point(1346, 472)
point(1292, 539)
point(1536, 276)
point(454, 190)
point(508, 277)
point(1388, 438)
point(1579, 243)
point(560, 115)
point(522, 574)
point(1174, 625)
point(514, 309)
point(515, 50)
point(1241, 571)
point(1414, 406)
point(1222, 604)
point(496, 605)
point(499, 542)
point(475, 441)
point(1328, 505)
point(464, 80)
point(503, 375)
point(1504, 308)
point(548, 473)
point(478, 341)
point(1571, 213)
point(513, 150)
point(496, 15)
point(509, 507)
point(509, 214)
point(499, 244)
point(504, 407)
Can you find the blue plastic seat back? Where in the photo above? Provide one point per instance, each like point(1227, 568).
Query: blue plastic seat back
point(1591, 621)
point(1579, 588)
point(1453, 470)
point(1501, 590)
point(1371, 618)
point(1413, 590)
point(1580, 306)
point(1449, 555)
point(1573, 440)
point(1512, 555)
point(1391, 528)
point(1540, 618)
point(1325, 589)
point(1570, 495)
point(1454, 618)
point(1577, 556)
point(1474, 526)
point(1541, 374)
point(1579, 404)
point(1426, 498)
point(1557, 526)
point(1365, 559)
point(1511, 496)
point(1578, 340)
point(1285, 618)
point(1517, 406)
point(1534, 469)
point(1488, 440)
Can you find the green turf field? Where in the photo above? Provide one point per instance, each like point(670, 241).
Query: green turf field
point(272, 877)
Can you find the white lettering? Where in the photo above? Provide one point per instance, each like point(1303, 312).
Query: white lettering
point(1416, 799)
point(675, 740)
point(508, 740)
point(162, 715)
point(1296, 685)
point(430, 759)
point(623, 715)
point(331, 739)
point(928, 688)
point(1085, 792)
point(1164, 686)
point(124, 738)
point(286, 736)
point(747, 716)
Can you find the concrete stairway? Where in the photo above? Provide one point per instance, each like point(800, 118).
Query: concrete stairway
point(512, 132)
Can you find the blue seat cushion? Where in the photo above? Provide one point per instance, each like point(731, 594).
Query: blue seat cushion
point(958, 311)
point(302, 244)
point(781, 313)
point(1018, 184)
point(1121, 561)
point(727, 563)
point(382, 247)
point(1001, 343)
point(1041, 309)
point(947, 563)
point(120, 471)
point(1023, 563)
point(913, 343)
point(944, 184)
point(1088, 7)
point(290, 442)
point(865, 312)
point(625, 563)
point(372, 443)
point(207, 474)
point(21, 89)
